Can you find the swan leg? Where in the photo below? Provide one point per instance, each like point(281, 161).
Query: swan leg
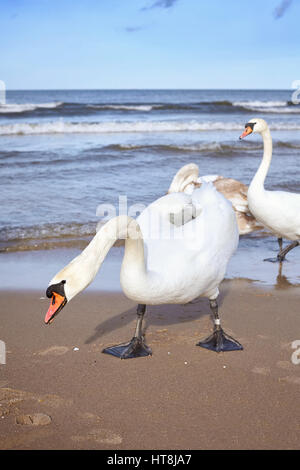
point(219, 340)
point(136, 347)
point(282, 252)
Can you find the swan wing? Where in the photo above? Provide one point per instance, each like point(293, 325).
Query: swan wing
point(279, 211)
point(234, 191)
point(187, 175)
point(187, 180)
point(173, 209)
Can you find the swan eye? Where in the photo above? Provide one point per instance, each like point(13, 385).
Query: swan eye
point(58, 288)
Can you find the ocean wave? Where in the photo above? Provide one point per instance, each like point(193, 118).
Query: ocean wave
point(63, 127)
point(48, 236)
point(158, 106)
point(222, 106)
point(26, 107)
point(205, 147)
point(202, 106)
point(44, 236)
point(126, 107)
point(274, 107)
point(45, 231)
point(105, 152)
point(288, 145)
point(260, 104)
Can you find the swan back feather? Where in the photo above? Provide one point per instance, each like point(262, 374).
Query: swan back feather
point(187, 181)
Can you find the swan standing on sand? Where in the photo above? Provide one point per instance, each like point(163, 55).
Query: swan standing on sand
point(177, 250)
point(278, 211)
point(187, 180)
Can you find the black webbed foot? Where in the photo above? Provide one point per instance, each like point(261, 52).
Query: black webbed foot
point(278, 259)
point(283, 252)
point(220, 341)
point(135, 348)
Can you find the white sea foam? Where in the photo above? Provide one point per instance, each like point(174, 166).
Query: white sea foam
point(125, 107)
point(208, 146)
point(62, 127)
point(260, 104)
point(22, 108)
point(287, 110)
point(280, 107)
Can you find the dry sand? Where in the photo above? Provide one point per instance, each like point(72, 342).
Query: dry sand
point(183, 397)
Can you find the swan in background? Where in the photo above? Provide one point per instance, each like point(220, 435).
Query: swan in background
point(177, 250)
point(278, 211)
point(187, 180)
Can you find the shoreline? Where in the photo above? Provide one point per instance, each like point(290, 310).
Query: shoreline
point(183, 397)
point(247, 263)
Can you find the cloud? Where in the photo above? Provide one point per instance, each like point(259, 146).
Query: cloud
point(133, 29)
point(282, 8)
point(161, 4)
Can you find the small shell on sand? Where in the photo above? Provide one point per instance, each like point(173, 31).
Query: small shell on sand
point(35, 419)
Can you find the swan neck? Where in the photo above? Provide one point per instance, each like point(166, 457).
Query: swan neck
point(121, 227)
point(80, 272)
point(263, 169)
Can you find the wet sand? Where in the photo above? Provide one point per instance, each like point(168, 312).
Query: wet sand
point(183, 397)
point(246, 263)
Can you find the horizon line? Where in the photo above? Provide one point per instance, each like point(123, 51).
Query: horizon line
point(149, 89)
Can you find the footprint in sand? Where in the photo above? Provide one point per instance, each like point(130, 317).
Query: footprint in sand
point(11, 398)
point(54, 401)
point(263, 337)
point(261, 370)
point(287, 346)
point(97, 434)
point(292, 379)
point(285, 365)
point(12, 395)
point(54, 351)
point(100, 436)
point(34, 419)
point(26, 439)
point(89, 417)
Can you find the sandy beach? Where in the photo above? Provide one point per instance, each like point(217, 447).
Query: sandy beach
point(127, 121)
point(183, 397)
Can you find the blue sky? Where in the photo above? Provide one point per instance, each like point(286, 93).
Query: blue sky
point(52, 44)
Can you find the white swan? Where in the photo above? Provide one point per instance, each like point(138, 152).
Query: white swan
point(278, 211)
point(187, 180)
point(177, 250)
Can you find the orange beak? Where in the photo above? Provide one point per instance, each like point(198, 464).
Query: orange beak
point(57, 303)
point(246, 132)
